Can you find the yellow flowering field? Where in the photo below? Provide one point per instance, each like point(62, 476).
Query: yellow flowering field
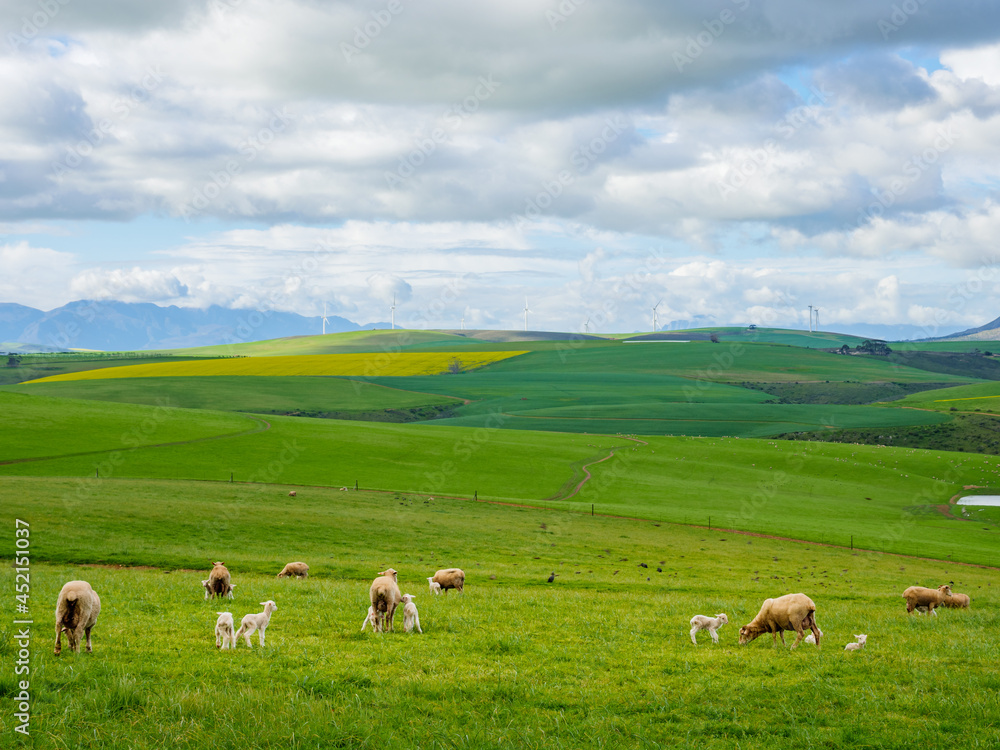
point(368, 364)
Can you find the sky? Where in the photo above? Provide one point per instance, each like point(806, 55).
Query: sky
point(725, 161)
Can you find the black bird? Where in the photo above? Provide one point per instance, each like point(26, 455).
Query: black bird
point(659, 570)
point(643, 565)
point(552, 577)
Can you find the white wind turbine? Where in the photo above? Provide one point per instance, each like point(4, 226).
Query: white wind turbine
point(810, 318)
point(392, 313)
point(325, 321)
point(654, 314)
point(586, 326)
point(526, 311)
point(817, 320)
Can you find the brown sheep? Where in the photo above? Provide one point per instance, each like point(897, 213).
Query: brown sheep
point(956, 601)
point(789, 612)
point(450, 578)
point(385, 595)
point(218, 582)
point(918, 596)
point(76, 613)
point(297, 569)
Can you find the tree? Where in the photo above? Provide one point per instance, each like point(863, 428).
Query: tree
point(455, 366)
point(714, 338)
point(874, 346)
point(13, 360)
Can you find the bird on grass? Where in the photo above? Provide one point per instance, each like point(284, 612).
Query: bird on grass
point(552, 577)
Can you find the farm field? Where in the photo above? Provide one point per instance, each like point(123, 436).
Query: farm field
point(976, 397)
point(600, 658)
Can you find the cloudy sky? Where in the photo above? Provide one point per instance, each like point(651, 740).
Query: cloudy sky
point(738, 159)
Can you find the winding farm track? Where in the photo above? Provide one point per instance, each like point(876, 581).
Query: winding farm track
point(586, 471)
point(262, 426)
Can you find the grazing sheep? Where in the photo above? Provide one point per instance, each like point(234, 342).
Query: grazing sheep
point(256, 621)
point(224, 636)
point(918, 596)
point(434, 585)
point(711, 624)
point(297, 569)
point(384, 595)
point(370, 619)
point(788, 612)
point(812, 639)
point(410, 616)
point(956, 601)
point(857, 646)
point(450, 578)
point(76, 612)
point(292, 493)
point(218, 582)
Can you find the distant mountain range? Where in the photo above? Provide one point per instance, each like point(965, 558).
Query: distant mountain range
point(128, 326)
point(988, 332)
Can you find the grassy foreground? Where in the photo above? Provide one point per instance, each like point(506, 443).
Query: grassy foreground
point(600, 658)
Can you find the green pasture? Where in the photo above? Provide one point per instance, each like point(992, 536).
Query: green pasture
point(976, 397)
point(34, 366)
point(885, 498)
point(600, 658)
point(264, 395)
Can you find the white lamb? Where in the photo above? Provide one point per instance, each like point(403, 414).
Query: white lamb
point(207, 583)
point(370, 619)
point(711, 624)
point(857, 646)
point(410, 617)
point(434, 585)
point(256, 621)
point(224, 636)
point(812, 639)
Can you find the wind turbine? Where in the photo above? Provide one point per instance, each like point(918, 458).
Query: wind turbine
point(654, 314)
point(392, 313)
point(325, 321)
point(586, 326)
point(526, 311)
point(817, 320)
point(810, 318)
point(463, 322)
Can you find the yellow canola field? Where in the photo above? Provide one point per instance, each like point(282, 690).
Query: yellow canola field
point(369, 365)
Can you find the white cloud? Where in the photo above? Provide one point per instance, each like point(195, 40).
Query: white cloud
point(129, 285)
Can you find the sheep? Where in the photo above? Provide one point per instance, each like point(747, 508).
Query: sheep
point(218, 582)
point(76, 612)
point(711, 624)
point(812, 639)
point(410, 616)
point(923, 609)
point(434, 585)
point(384, 595)
point(919, 596)
point(370, 619)
point(450, 578)
point(857, 646)
point(788, 612)
point(956, 601)
point(297, 569)
point(292, 493)
point(208, 588)
point(256, 621)
point(224, 636)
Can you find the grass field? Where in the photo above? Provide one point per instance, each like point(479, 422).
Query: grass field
point(601, 658)
point(976, 397)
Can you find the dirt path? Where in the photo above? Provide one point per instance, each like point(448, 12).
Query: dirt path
point(262, 426)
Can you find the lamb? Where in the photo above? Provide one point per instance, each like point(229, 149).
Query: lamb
point(917, 596)
point(788, 612)
point(450, 578)
point(857, 646)
point(218, 582)
point(410, 616)
point(811, 638)
point(923, 609)
point(956, 601)
point(384, 595)
point(370, 619)
point(434, 585)
point(297, 569)
point(711, 624)
point(256, 621)
point(76, 612)
point(224, 636)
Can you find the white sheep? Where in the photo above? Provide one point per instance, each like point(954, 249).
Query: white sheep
point(370, 619)
point(76, 613)
point(812, 639)
point(256, 621)
point(219, 582)
point(384, 597)
point(224, 636)
point(711, 624)
point(857, 646)
point(434, 585)
point(296, 569)
point(450, 578)
point(410, 617)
